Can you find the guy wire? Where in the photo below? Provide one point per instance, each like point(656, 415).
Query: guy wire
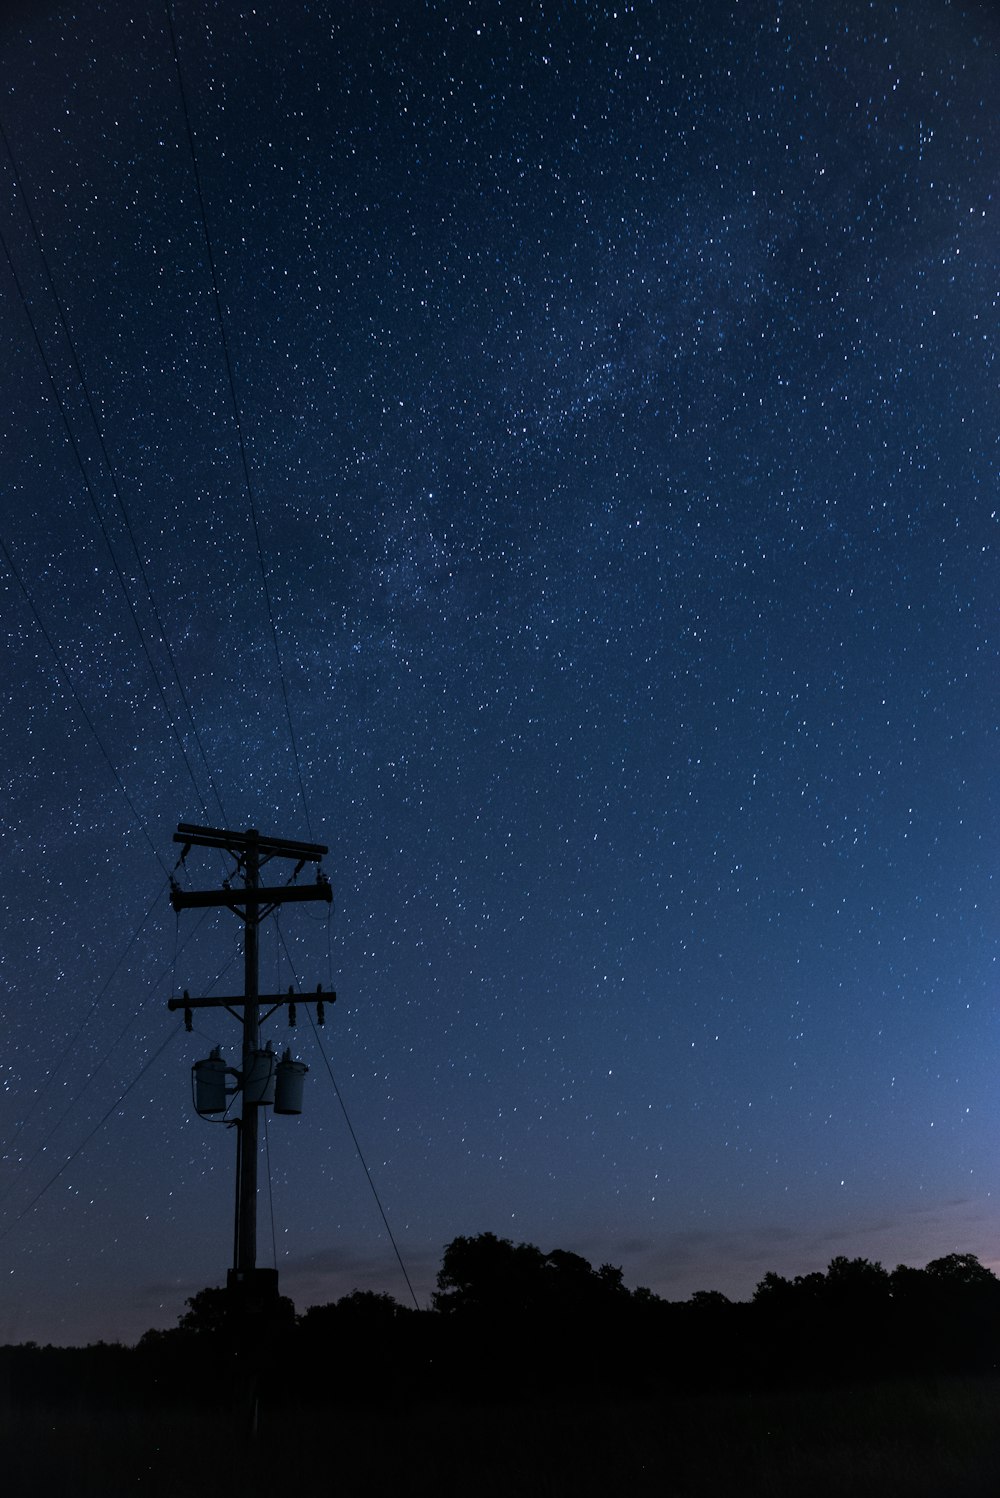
point(350, 1126)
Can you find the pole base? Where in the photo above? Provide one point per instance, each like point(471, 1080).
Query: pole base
point(254, 1292)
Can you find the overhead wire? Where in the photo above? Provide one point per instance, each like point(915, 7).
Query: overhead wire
point(172, 1034)
point(116, 490)
point(25, 1165)
point(40, 1149)
point(234, 400)
point(71, 1043)
point(59, 661)
point(89, 488)
point(71, 688)
point(64, 673)
point(60, 664)
point(70, 685)
point(62, 668)
point(354, 1137)
point(364, 1163)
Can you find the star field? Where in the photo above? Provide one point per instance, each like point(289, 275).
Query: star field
point(618, 396)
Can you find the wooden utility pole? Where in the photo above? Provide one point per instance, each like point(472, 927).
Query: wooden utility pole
point(252, 902)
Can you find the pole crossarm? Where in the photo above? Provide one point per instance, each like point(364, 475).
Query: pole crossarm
point(234, 899)
point(265, 998)
point(239, 842)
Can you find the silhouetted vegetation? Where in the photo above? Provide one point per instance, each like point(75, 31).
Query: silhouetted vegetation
point(509, 1319)
point(842, 1373)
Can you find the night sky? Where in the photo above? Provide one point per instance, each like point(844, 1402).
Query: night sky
point(618, 396)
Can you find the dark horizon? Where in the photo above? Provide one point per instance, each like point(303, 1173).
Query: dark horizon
point(500, 1281)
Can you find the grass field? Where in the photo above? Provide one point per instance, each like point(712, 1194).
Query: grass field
point(906, 1440)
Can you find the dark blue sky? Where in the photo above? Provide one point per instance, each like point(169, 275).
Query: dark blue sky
point(619, 400)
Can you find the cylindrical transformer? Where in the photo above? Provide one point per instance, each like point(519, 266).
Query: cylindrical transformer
point(210, 1084)
point(288, 1091)
point(258, 1077)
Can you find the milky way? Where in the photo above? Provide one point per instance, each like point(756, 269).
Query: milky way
point(618, 400)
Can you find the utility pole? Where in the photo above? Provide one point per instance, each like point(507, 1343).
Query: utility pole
point(257, 1075)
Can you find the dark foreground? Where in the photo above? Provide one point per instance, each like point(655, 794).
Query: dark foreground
point(921, 1439)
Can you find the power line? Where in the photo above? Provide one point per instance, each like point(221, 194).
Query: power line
point(25, 1165)
point(64, 673)
point(40, 1149)
point(100, 518)
point(81, 1147)
point(71, 1043)
point(244, 461)
point(116, 490)
point(350, 1126)
point(364, 1164)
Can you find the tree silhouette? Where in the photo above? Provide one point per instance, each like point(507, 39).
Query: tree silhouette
point(856, 1284)
point(216, 1312)
point(208, 1314)
point(774, 1291)
point(367, 1311)
point(491, 1275)
point(487, 1275)
point(510, 1320)
point(709, 1300)
point(965, 1271)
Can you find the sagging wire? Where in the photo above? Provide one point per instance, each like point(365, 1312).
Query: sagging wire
point(347, 1116)
point(26, 1164)
point(71, 1043)
point(99, 432)
point(72, 1104)
point(71, 688)
point(364, 1164)
point(97, 1127)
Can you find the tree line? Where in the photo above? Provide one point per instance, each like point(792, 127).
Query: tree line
point(508, 1320)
